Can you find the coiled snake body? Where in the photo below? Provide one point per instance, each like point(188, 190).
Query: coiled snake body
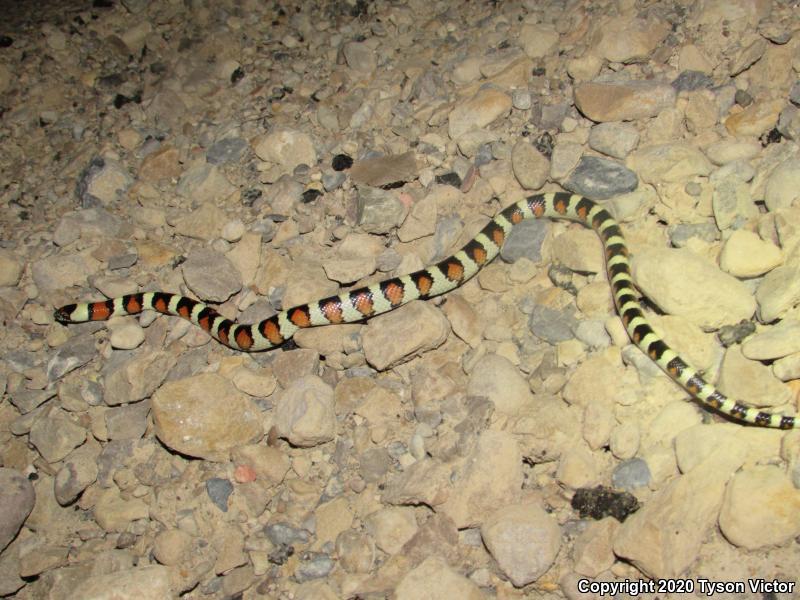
point(448, 274)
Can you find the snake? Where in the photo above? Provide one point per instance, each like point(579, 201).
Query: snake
point(446, 275)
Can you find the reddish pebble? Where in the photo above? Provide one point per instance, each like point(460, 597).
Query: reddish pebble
point(244, 474)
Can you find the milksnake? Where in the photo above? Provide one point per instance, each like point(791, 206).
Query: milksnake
point(448, 274)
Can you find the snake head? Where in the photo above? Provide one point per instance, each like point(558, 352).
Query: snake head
point(62, 315)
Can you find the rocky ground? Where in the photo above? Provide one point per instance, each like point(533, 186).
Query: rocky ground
point(451, 448)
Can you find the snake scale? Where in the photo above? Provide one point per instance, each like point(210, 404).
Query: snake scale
point(446, 275)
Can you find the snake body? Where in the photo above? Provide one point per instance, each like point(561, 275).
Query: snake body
point(444, 276)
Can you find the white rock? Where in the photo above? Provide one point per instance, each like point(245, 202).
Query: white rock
point(433, 579)
point(747, 255)
point(783, 185)
point(479, 111)
point(776, 342)
point(305, 414)
point(495, 378)
point(523, 539)
point(126, 335)
point(392, 527)
point(682, 283)
point(751, 381)
point(537, 40)
point(10, 269)
point(150, 582)
point(205, 416)
point(669, 163)
point(287, 148)
point(761, 508)
point(491, 475)
point(778, 292)
point(579, 250)
point(663, 538)
point(404, 333)
point(592, 550)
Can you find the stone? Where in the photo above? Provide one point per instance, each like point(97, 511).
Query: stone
point(778, 292)
point(523, 539)
point(378, 211)
point(78, 471)
point(269, 464)
point(204, 222)
point(164, 163)
point(402, 334)
point(360, 56)
point(170, 546)
point(782, 185)
point(287, 148)
point(616, 140)
point(433, 578)
point(778, 341)
point(10, 269)
point(305, 412)
point(682, 283)
point(600, 178)
point(760, 508)
point(392, 527)
point(104, 181)
point(754, 120)
point(537, 40)
point(204, 416)
point(663, 538)
point(491, 474)
point(56, 435)
point(487, 105)
point(211, 276)
point(669, 163)
point(579, 250)
point(385, 170)
point(746, 255)
point(114, 513)
point(17, 497)
point(495, 378)
point(152, 582)
point(625, 40)
point(623, 101)
point(751, 381)
point(530, 166)
point(204, 183)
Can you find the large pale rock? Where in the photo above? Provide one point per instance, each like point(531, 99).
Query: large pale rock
point(668, 163)
point(761, 508)
point(433, 579)
point(305, 414)
point(17, 498)
point(286, 147)
point(478, 111)
point(622, 39)
point(751, 381)
point(623, 101)
point(756, 119)
point(205, 416)
point(663, 538)
point(684, 284)
point(142, 583)
point(745, 254)
point(523, 539)
point(495, 378)
point(491, 475)
point(403, 334)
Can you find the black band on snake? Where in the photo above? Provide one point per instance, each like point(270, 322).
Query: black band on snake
point(448, 274)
